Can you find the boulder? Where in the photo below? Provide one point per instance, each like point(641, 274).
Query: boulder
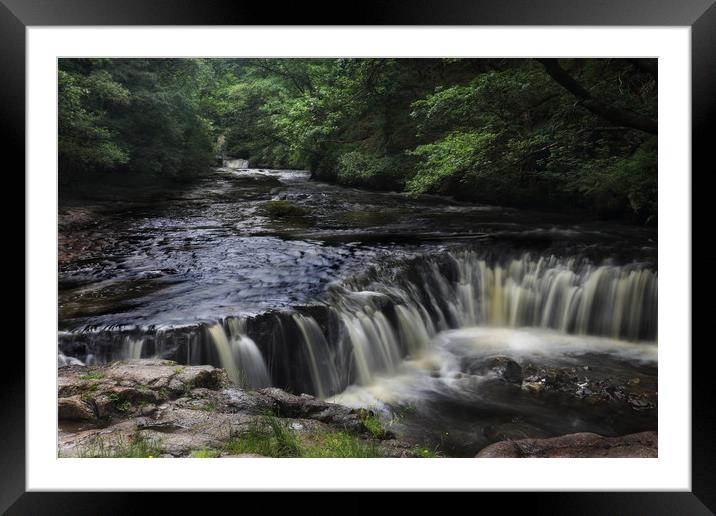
point(131, 387)
point(585, 444)
point(74, 408)
point(307, 407)
point(499, 367)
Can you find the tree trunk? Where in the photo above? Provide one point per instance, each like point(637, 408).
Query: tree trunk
point(613, 114)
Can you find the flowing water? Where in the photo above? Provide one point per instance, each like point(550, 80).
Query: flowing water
point(372, 299)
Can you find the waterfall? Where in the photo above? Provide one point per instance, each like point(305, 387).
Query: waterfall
point(398, 317)
point(321, 361)
point(238, 354)
point(370, 325)
point(226, 354)
point(373, 343)
point(134, 347)
point(562, 294)
point(248, 355)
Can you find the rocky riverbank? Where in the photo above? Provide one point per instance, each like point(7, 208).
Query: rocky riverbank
point(158, 408)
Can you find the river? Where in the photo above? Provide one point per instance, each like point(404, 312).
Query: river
point(378, 300)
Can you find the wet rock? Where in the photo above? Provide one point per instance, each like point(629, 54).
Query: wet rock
point(591, 386)
point(499, 366)
point(585, 444)
point(307, 407)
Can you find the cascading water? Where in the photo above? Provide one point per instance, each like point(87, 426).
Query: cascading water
point(238, 354)
point(370, 328)
point(134, 347)
point(321, 359)
point(567, 295)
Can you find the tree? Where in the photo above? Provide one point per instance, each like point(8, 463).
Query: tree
point(609, 112)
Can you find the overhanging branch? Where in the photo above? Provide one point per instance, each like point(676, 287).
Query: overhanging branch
point(611, 113)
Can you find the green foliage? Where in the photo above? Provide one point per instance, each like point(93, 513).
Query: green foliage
point(372, 423)
point(446, 161)
point(138, 115)
point(615, 183)
point(85, 142)
point(93, 375)
point(267, 436)
point(270, 437)
point(205, 453)
point(426, 453)
point(500, 131)
point(370, 170)
point(358, 168)
point(341, 445)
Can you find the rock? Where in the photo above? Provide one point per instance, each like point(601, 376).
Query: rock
point(236, 400)
point(74, 408)
point(334, 415)
point(585, 444)
point(161, 409)
point(499, 366)
point(132, 387)
point(593, 387)
point(395, 448)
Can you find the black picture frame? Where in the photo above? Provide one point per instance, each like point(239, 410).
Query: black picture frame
point(700, 15)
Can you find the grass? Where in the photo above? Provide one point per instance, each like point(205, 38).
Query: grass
point(137, 446)
point(205, 453)
point(92, 376)
point(426, 453)
point(268, 437)
point(271, 438)
point(341, 445)
point(372, 423)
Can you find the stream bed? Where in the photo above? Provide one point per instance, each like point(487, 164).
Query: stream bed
point(422, 309)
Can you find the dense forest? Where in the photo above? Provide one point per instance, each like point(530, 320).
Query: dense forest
point(568, 135)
